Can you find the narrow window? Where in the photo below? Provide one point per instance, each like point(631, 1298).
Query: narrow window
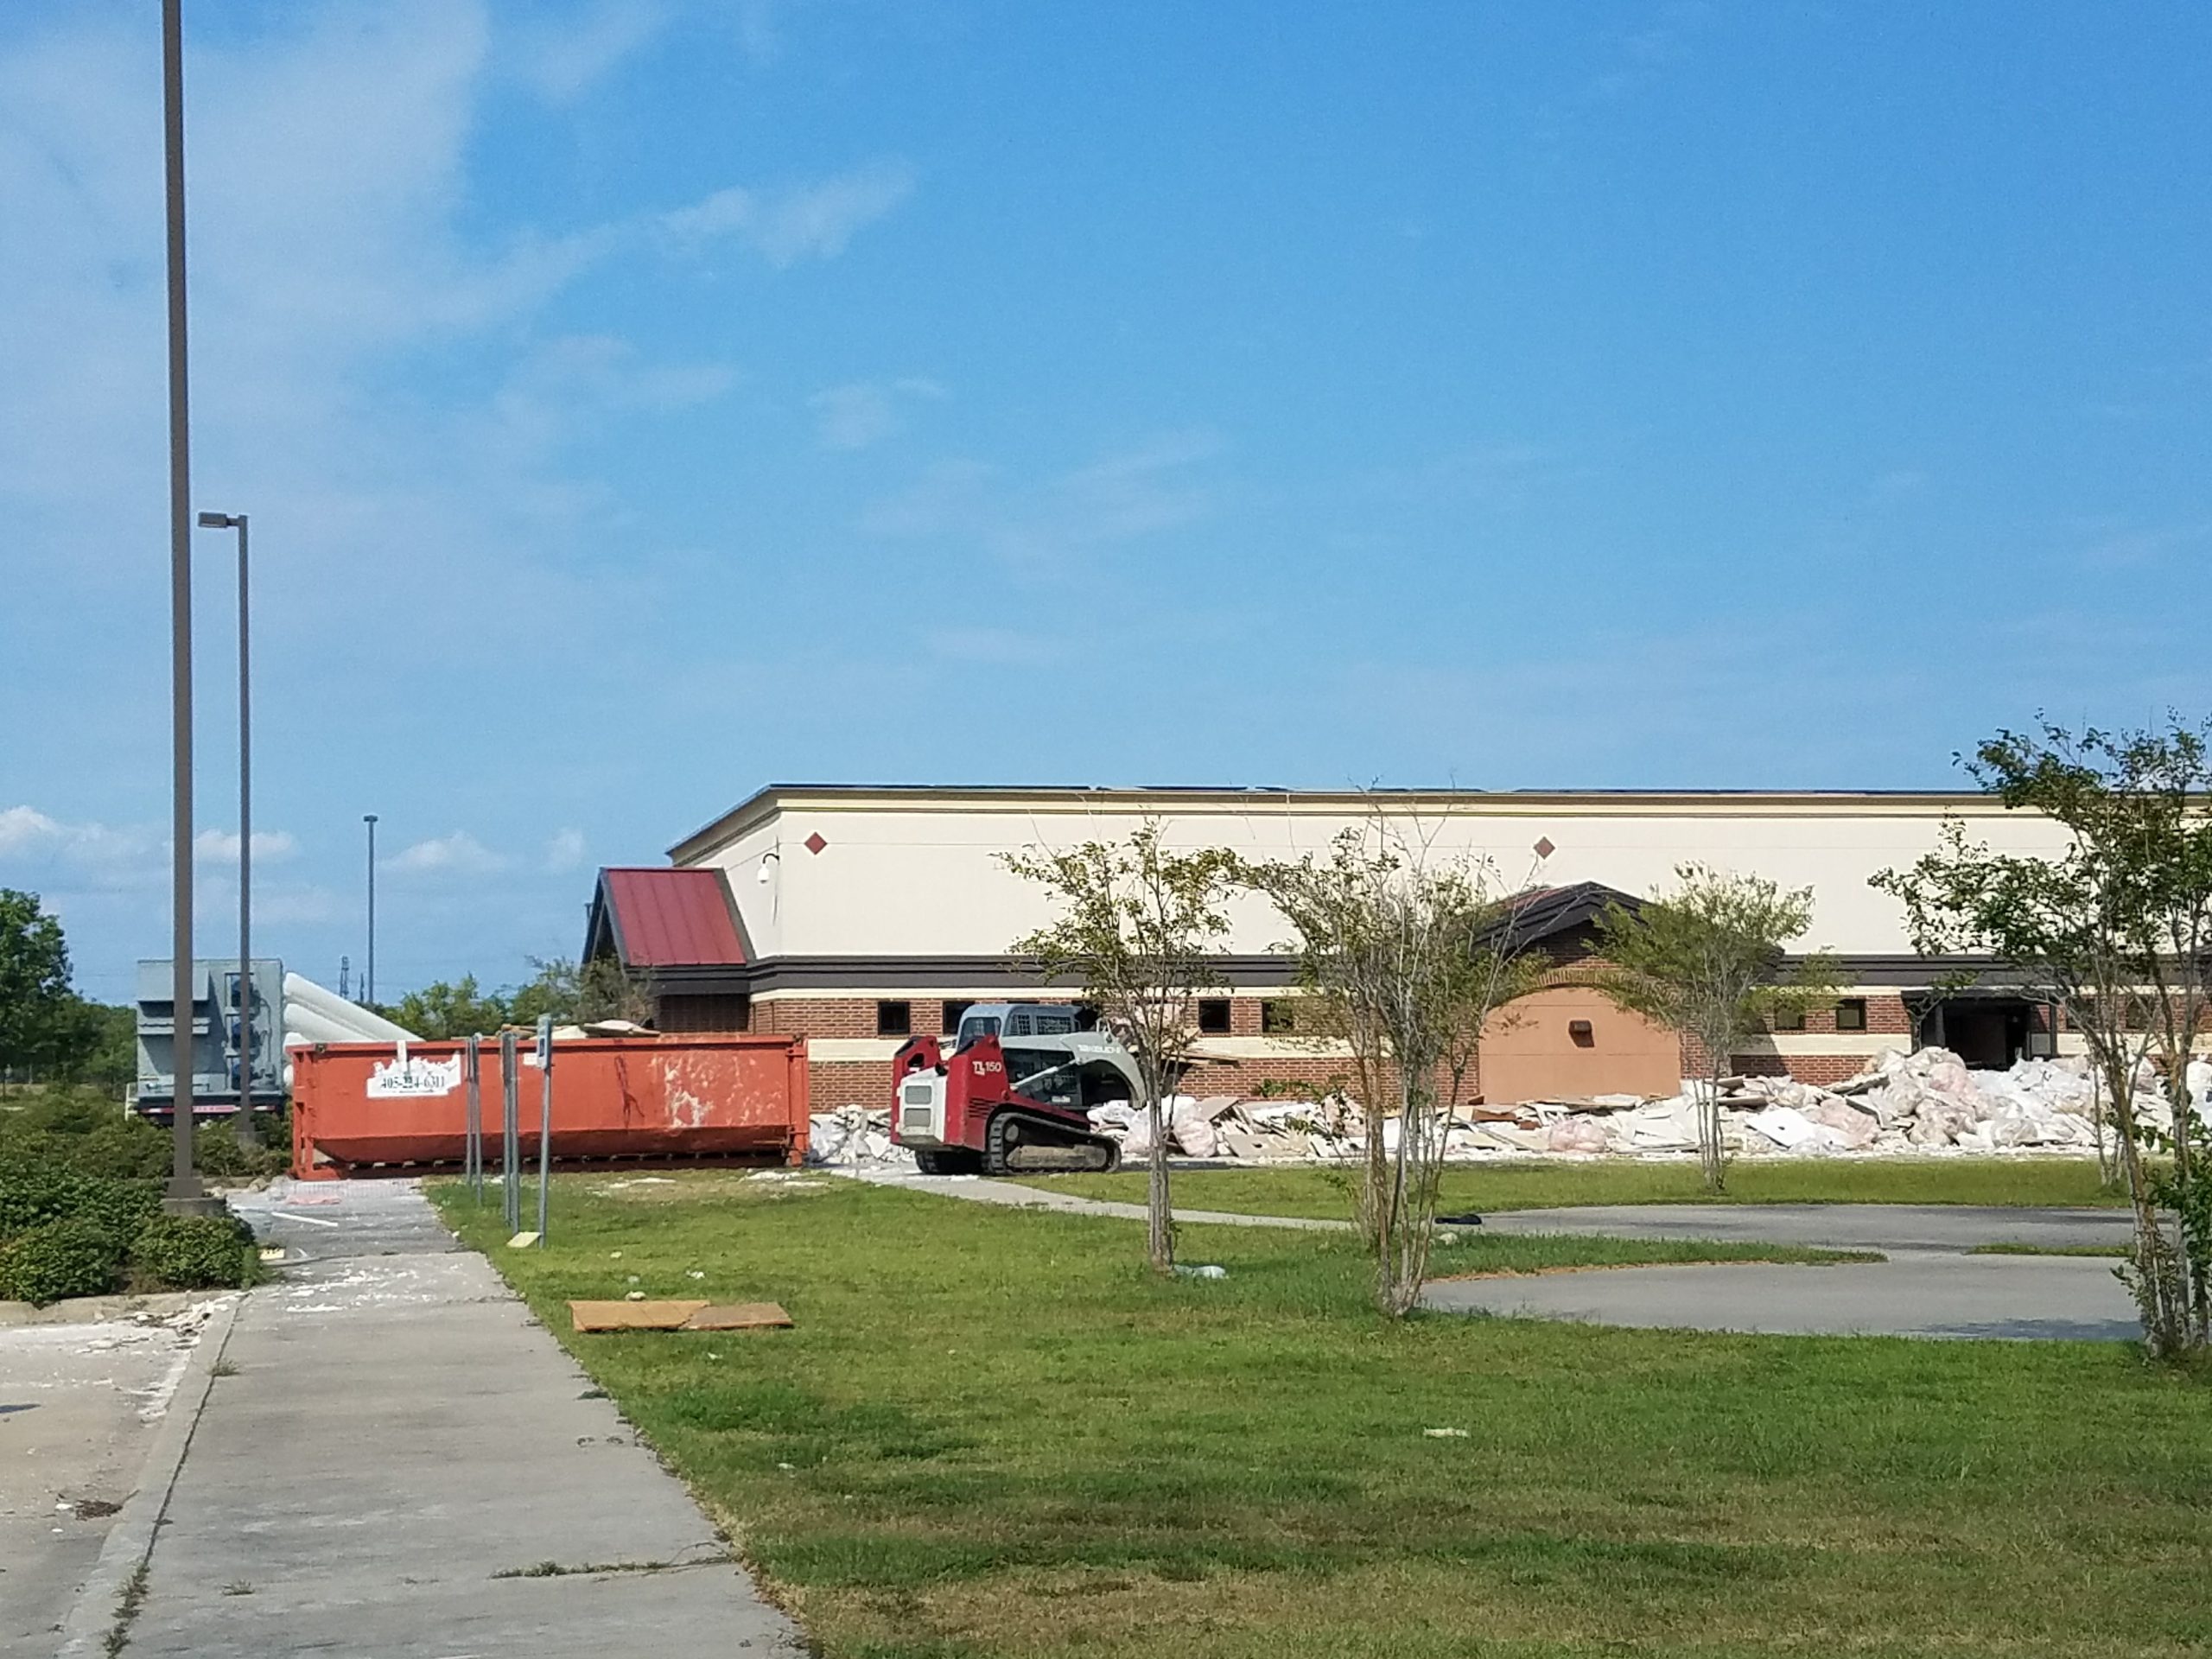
point(948, 1023)
point(894, 1018)
point(1213, 1015)
point(1851, 1013)
point(1278, 1019)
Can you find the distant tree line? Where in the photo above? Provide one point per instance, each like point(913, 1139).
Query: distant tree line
point(48, 1033)
point(572, 993)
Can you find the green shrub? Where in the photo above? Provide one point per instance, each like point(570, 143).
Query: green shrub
point(33, 1192)
point(59, 1259)
point(123, 1149)
point(195, 1253)
point(216, 1151)
point(83, 1130)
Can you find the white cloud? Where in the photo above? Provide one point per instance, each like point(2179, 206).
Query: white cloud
point(866, 412)
point(1121, 497)
point(22, 828)
point(2139, 545)
point(222, 847)
point(1034, 648)
point(459, 854)
point(128, 853)
point(562, 56)
point(798, 222)
point(756, 30)
point(853, 417)
point(107, 852)
point(564, 852)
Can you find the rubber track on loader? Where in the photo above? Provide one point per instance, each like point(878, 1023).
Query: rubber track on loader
point(1017, 1141)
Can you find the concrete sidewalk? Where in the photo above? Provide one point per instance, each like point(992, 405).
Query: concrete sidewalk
point(1009, 1191)
point(84, 1387)
point(394, 1459)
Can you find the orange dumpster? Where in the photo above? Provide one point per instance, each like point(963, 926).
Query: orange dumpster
point(367, 1108)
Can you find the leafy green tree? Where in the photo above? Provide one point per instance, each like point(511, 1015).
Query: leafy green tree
point(1136, 925)
point(2116, 930)
point(96, 1044)
point(581, 992)
point(35, 994)
point(1707, 960)
point(1408, 956)
point(458, 1009)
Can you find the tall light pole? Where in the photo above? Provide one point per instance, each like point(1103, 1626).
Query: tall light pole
point(185, 1193)
point(369, 976)
point(243, 1125)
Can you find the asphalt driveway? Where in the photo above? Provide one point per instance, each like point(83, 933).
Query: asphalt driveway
point(1930, 1286)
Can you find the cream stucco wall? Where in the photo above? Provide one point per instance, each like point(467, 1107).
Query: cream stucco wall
point(916, 874)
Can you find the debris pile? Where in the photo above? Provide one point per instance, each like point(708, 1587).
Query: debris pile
point(1927, 1101)
point(1924, 1102)
point(855, 1136)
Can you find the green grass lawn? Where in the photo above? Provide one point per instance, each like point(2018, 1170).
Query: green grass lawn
point(1540, 1184)
point(993, 1434)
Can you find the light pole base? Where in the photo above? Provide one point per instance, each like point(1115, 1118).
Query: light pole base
point(185, 1196)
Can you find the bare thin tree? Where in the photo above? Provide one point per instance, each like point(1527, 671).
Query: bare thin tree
point(1138, 925)
point(1706, 960)
point(1407, 954)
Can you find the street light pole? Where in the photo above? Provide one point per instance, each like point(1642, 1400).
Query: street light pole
point(243, 1125)
point(185, 1194)
point(369, 977)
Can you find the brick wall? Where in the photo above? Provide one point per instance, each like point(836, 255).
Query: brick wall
point(1886, 1016)
point(839, 1082)
point(832, 1084)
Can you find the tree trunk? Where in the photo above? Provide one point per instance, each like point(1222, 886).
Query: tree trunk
point(1158, 1215)
point(1377, 1192)
point(2156, 1270)
point(1709, 1126)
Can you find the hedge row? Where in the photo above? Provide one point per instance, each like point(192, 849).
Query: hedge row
point(64, 1233)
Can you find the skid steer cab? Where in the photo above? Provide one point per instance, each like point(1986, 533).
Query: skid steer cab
point(1003, 1105)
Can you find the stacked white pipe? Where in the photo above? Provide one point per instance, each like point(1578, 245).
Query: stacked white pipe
point(314, 1013)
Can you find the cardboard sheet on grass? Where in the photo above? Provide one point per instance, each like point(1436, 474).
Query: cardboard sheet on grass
point(678, 1316)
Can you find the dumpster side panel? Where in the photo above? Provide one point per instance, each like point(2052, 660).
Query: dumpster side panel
point(363, 1103)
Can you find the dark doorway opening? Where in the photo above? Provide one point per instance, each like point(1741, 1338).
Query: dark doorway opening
point(1990, 1033)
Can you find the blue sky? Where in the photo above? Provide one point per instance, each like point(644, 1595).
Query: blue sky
point(637, 402)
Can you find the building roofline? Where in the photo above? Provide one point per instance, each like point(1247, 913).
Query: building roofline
point(773, 798)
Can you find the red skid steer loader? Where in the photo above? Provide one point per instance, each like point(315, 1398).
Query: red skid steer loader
point(1012, 1095)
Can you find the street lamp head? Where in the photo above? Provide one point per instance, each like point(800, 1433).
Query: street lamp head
point(221, 520)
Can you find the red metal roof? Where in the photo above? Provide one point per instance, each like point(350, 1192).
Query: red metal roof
point(673, 919)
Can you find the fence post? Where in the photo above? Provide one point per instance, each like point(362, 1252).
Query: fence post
point(544, 1120)
point(511, 1133)
point(472, 1152)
